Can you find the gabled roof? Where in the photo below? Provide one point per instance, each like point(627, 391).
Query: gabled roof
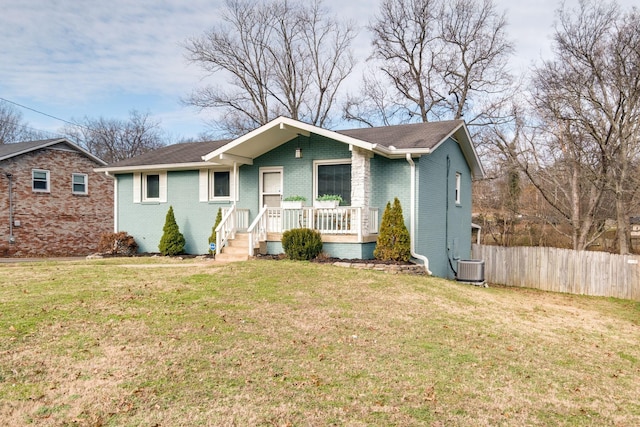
point(396, 142)
point(15, 149)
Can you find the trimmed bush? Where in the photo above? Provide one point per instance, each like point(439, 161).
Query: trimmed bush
point(212, 238)
point(394, 242)
point(117, 244)
point(301, 244)
point(172, 241)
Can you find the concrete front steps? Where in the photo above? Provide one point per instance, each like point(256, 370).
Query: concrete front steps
point(237, 249)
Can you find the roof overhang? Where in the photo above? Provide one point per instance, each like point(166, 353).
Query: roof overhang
point(157, 167)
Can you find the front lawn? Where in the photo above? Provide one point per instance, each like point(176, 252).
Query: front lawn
point(142, 342)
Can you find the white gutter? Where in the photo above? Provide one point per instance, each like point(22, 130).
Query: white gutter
point(412, 224)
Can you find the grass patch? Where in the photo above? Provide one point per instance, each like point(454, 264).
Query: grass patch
point(150, 342)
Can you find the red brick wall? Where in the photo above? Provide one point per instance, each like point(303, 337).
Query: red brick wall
point(57, 223)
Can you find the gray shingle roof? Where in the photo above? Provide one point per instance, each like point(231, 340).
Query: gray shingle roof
point(408, 136)
point(414, 135)
point(13, 149)
point(185, 152)
point(8, 150)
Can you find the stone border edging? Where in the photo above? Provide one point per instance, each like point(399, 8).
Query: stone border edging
point(387, 268)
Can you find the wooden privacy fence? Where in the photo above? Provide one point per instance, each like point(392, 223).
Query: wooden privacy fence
point(562, 270)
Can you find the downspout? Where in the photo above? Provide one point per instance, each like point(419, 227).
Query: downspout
point(412, 222)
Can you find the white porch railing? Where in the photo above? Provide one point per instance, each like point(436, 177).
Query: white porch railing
point(257, 230)
point(226, 229)
point(344, 220)
point(242, 218)
point(341, 220)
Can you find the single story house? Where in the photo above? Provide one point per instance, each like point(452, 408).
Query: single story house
point(52, 202)
point(429, 167)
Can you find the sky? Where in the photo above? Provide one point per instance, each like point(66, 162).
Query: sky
point(95, 58)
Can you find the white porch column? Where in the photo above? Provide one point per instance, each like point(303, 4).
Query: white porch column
point(361, 183)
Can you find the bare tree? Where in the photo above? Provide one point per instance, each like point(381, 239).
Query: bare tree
point(113, 140)
point(591, 91)
point(443, 59)
point(13, 128)
point(280, 57)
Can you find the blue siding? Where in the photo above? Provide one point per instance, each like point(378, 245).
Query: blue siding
point(144, 221)
point(390, 179)
point(440, 233)
point(443, 227)
point(297, 173)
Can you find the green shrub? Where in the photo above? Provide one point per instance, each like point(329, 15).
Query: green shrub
point(394, 242)
point(212, 238)
point(117, 244)
point(301, 243)
point(172, 241)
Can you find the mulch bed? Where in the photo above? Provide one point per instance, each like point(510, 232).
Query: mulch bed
point(330, 260)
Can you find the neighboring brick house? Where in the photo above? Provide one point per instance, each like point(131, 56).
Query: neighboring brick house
point(52, 202)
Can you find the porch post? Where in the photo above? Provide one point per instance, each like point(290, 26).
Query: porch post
point(361, 185)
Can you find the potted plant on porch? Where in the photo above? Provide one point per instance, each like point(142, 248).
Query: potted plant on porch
point(330, 201)
point(293, 202)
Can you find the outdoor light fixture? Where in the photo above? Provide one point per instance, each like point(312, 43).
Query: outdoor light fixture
point(298, 149)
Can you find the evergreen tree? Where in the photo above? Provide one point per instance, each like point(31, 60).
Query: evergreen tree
point(212, 238)
point(172, 241)
point(394, 242)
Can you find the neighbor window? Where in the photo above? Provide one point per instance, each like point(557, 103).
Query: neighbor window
point(334, 177)
point(458, 180)
point(40, 180)
point(79, 183)
point(220, 184)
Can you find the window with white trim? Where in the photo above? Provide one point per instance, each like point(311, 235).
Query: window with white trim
point(216, 185)
point(333, 177)
point(151, 187)
point(220, 185)
point(458, 183)
point(79, 183)
point(40, 181)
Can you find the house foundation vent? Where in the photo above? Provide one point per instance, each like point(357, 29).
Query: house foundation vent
point(471, 271)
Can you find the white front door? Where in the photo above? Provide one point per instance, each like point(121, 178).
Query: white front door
point(271, 196)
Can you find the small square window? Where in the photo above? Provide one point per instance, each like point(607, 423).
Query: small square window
point(40, 180)
point(79, 183)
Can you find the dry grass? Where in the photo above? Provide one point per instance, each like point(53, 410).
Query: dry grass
point(277, 343)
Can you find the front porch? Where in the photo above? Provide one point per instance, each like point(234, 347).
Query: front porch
point(343, 224)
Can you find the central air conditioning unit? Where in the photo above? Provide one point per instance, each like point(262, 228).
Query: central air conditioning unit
point(471, 271)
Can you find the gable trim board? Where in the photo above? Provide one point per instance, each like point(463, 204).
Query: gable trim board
point(402, 163)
